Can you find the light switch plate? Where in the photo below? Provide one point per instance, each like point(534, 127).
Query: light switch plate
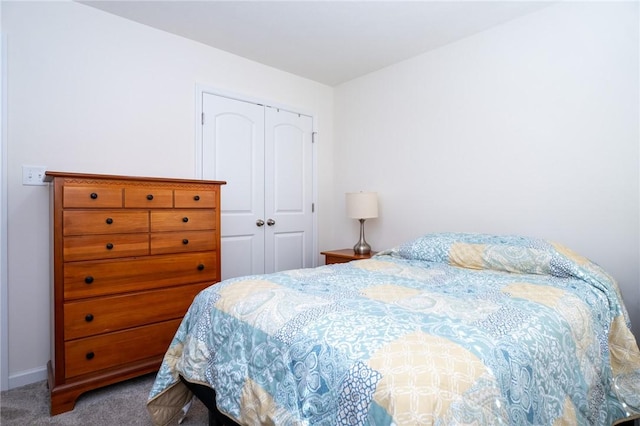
point(33, 175)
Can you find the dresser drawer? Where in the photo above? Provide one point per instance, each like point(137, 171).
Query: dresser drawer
point(182, 220)
point(100, 278)
point(195, 199)
point(105, 246)
point(117, 349)
point(111, 313)
point(148, 198)
point(91, 196)
point(83, 222)
point(180, 242)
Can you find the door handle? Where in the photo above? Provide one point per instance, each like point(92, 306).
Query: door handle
point(260, 222)
point(271, 222)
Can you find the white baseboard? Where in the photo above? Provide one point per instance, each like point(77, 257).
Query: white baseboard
point(27, 377)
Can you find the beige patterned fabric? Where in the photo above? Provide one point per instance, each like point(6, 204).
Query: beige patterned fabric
point(421, 376)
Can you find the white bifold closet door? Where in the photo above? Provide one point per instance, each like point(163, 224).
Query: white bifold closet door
point(266, 157)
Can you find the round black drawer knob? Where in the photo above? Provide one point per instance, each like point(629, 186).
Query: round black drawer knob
point(185, 241)
point(200, 267)
point(88, 279)
point(149, 197)
point(109, 246)
point(185, 219)
point(90, 355)
point(196, 198)
point(93, 195)
point(109, 221)
point(88, 317)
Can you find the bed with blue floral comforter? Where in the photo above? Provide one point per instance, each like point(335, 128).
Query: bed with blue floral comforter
point(445, 329)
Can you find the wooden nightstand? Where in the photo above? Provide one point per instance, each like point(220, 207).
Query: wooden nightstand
point(343, 256)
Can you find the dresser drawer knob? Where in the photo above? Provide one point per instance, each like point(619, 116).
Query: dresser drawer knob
point(88, 279)
point(109, 246)
point(185, 219)
point(93, 195)
point(109, 221)
point(90, 355)
point(201, 267)
point(196, 198)
point(88, 318)
point(185, 241)
point(150, 197)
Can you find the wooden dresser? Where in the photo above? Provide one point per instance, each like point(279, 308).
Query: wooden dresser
point(129, 255)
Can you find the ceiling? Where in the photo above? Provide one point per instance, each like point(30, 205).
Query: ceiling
point(326, 41)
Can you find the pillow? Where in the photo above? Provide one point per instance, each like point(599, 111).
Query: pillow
point(508, 253)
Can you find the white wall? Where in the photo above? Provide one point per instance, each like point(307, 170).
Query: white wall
point(91, 92)
point(4, 306)
point(527, 128)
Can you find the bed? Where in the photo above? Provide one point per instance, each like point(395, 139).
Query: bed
point(444, 329)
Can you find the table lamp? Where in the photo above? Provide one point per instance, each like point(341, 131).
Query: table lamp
point(362, 206)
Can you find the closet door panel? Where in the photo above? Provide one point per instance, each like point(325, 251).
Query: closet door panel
point(288, 190)
point(233, 146)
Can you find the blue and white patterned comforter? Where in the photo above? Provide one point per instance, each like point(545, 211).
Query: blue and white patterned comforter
point(445, 329)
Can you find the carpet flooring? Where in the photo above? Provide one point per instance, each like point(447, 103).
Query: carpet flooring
point(119, 404)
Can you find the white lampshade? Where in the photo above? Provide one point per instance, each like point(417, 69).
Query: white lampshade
point(362, 205)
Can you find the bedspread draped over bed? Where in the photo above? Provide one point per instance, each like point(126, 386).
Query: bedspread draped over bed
point(445, 329)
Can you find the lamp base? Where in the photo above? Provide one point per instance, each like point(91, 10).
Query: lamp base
point(361, 246)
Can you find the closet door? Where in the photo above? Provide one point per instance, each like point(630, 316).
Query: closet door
point(266, 157)
point(288, 190)
point(233, 150)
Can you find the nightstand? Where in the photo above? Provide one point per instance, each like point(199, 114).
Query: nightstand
point(343, 256)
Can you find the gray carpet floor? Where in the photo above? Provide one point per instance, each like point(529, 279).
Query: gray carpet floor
point(120, 404)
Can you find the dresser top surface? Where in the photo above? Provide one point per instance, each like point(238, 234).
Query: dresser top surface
point(51, 175)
